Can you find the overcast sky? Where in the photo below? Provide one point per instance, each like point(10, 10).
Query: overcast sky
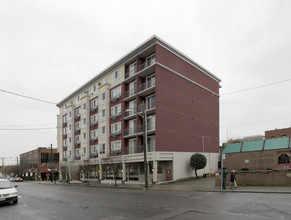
point(48, 49)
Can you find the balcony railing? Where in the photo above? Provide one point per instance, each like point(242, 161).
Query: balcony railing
point(148, 105)
point(115, 98)
point(133, 150)
point(94, 108)
point(129, 92)
point(150, 127)
point(114, 134)
point(77, 129)
point(77, 157)
point(93, 139)
point(77, 144)
point(93, 123)
point(129, 131)
point(65, 159)
point(130, 112)
point(94, 154)
point(149, 84)
point(77, 117)
point(65, 148)
point(115, 116)
point(140, 67)
point(65, 124)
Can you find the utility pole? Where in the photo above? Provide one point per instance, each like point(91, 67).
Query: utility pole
point(146, 183)
point(52, 176)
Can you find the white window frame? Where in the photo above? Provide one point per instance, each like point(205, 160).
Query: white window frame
point(132, 146)
point(116, 146)
point(132, 69)
point(116, 92)
point(116, 110)
point(101, 133)
point(150, 60)
point(149, 104)
point(116, 127)
point(132, 88)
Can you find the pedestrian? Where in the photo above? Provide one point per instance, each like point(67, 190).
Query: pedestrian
point(232, 179)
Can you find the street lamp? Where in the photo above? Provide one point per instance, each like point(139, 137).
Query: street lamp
point(144, 117)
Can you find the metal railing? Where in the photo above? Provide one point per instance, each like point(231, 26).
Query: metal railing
point(149, 84)
point(129, 92)
point(129, 131)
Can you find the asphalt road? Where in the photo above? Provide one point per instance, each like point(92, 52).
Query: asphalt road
point(42, 202)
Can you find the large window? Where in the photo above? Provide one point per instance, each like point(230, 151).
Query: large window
point(116, 93)
point(151, 142)
point(132, 69)
point(132, 88)
point(151, 102)
point(115, 146)
point(150, 60)
point(102, 148)
point(116, 110)
point(132, 127)
point(116, 128)
point(94, 104)
point(102, 115)
point(151, 122)
point(132, 146)
point(102, 132)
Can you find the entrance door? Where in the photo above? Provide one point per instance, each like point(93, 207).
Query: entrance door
point(169, 175)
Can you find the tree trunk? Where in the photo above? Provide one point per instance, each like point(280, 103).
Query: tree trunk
point(196, 174)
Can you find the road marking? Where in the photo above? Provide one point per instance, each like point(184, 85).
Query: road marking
point(83, 194)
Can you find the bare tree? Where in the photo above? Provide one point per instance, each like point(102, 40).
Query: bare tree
point(114, 164)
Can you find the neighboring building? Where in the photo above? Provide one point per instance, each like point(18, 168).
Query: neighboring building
point(277, 133)
point(102, 122)
point(258, 155)
point(37, 164)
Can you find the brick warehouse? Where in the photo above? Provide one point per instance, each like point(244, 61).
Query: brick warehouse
point(153, 93)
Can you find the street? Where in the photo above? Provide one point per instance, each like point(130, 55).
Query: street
point(48, 201)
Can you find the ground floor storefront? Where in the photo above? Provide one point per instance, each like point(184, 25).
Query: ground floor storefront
point(161, 166)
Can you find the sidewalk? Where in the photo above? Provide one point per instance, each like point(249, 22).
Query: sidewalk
point(203, 185)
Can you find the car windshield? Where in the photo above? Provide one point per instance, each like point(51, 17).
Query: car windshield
point(5, 184)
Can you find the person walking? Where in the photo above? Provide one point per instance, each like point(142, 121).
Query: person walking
point(232, 180)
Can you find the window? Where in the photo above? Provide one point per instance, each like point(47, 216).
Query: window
point(65, 131)
point(70, 140)
point(102, 115)
point(150, 60)
point(77, 126)
point(151, 81)
point(151, 143)
point(94, 134)
point(132, 146)
point(78, 99)
point(77, 152)
point(284, 136)
point(77, 112)
point(70, 114)
point(132, 108)
point(84, 106)
point(151, 102)
point(102, 132)
point(132, 69)
point(116, 110)
point(84, 121)
point(132, 88)
point(116, 76)
point(115, 146)
point(105, 80)
point(132, 127)
point(116, 128)
point(102, 148)
point(116, 93)
point(65, 142)
point(84, 136)
point(103, 97)
point(44, 158)
point(94, 119)
point(284, 158)
point(151, 122)
point(65, 118)
point(77, 138)
point(94, 104)
point(70, 127)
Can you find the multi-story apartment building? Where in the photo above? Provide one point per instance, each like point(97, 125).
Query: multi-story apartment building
point(153, 93)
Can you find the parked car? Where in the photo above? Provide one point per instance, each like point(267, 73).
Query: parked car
point(12, 179)
point(8, 193)
point(18, 179)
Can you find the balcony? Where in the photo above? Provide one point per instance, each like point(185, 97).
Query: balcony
point(94, 108)
point(143, 70)
point(115, 98)
point(115, 116)
point(114, 134)
point(133, 150)
point(65, 124)
point(93, 124)
point(149, 107)
point(77, 117)
point(65, 159)
point(77, 144)
point(130, 113)
point(77, 157)
point(130, 94)
point(94, 155)
point(65, 148)
point(93, 139)
point(147, 88)
point(77, 130)
point(64, 136)
point(130, 131)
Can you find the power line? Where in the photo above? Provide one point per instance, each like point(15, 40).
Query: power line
point(257, 87)
point(25, 129)
point(28, 97)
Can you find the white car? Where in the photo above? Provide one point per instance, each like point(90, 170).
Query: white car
point(8, 193)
